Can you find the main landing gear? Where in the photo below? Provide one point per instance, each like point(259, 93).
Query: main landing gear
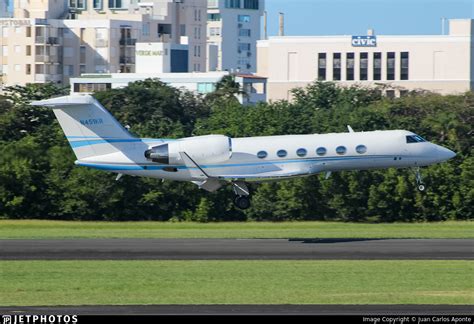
point(419, 180)
point(242, 194)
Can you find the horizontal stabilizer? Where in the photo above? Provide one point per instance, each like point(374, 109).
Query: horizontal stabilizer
point(65, 101)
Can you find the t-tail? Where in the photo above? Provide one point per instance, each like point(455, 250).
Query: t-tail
point(90, 129)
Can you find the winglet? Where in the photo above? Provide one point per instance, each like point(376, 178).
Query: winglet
point(350, 129)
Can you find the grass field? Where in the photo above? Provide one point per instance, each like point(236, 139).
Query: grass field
point(59, 229)
point(235, 282)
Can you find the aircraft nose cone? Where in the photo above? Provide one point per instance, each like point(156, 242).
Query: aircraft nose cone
point(445, 154)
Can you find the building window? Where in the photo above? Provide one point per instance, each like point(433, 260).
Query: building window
point(205, 87)
point(28, 50)
point(377, 66)
point(341, 150)
point(28, 68)
point(82, 69)
point(214, 31)
point(391, 66)
point(17, 67)
point(69, 70)
point(97, 4)
point(146, 29)
point(244, 32)
point(214, 17)
point(262, 154)
point(361, 149)
point(404, 93)
point(404, 65)
point(251, 4)
point(244, 18)
point(364, 66)
point(213, 3)
point(232, 3)
point(301, 152)
point(115, 4)
point(77, 4)
point(17, 49)
point(4, 69)
point(244, 47)
point(4, 50)
point(350, 67)
point(91, 87)
point(322, 66)
point(390, 94)
point(321, 151)
point(336, 67)
point(4, 32)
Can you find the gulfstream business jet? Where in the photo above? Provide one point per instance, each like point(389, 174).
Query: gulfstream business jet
point(210, 162)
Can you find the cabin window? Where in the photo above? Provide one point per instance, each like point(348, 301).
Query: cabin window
point(282, 153)
point(415, 139)
point(361, 149)
point(302, 152)
point(321, 151)
point(262, 154)
point(341, 150)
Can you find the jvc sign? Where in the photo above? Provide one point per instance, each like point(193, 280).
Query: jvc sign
point(364, 41)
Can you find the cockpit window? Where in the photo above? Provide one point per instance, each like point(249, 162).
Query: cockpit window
point(415, 139)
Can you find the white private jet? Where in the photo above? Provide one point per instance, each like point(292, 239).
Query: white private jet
point(100, 142)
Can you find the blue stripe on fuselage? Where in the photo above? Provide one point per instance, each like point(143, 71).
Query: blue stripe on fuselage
point(97, 140)
point(138, 167)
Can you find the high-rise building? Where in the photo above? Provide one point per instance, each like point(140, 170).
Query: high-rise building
point(165, 21)
point(233, 29)
point(53, 40)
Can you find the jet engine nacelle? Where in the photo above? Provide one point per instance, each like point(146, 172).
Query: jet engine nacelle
point(202, 149)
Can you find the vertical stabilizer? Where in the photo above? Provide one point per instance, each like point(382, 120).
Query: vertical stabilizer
point(90, 129)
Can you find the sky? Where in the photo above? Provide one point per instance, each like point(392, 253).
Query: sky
point(354, 17)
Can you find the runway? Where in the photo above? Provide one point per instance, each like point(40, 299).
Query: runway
point(245, 310)
point(232, 249)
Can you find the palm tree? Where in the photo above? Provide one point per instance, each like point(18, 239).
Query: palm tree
point(227, 88)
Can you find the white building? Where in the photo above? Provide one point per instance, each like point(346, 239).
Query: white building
point(233, 28)
point(202, 83)
point(53, 40)
point(439, 63)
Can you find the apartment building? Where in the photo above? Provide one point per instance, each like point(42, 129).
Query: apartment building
point(233, 29)
point(439, 63)
point(53, 40)
point(164, 21)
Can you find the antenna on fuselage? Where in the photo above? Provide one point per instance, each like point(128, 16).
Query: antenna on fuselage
point(350, 129)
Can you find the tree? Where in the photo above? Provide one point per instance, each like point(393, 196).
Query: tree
point(226, 90)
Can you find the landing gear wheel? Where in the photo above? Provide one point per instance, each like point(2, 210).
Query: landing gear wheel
point(242, 202)
point(419, 180)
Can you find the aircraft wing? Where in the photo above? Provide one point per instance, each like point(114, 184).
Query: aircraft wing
point(263, 177)
point(196, 171)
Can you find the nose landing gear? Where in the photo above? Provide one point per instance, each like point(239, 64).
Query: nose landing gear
point(242, 200)
point(419, 180)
